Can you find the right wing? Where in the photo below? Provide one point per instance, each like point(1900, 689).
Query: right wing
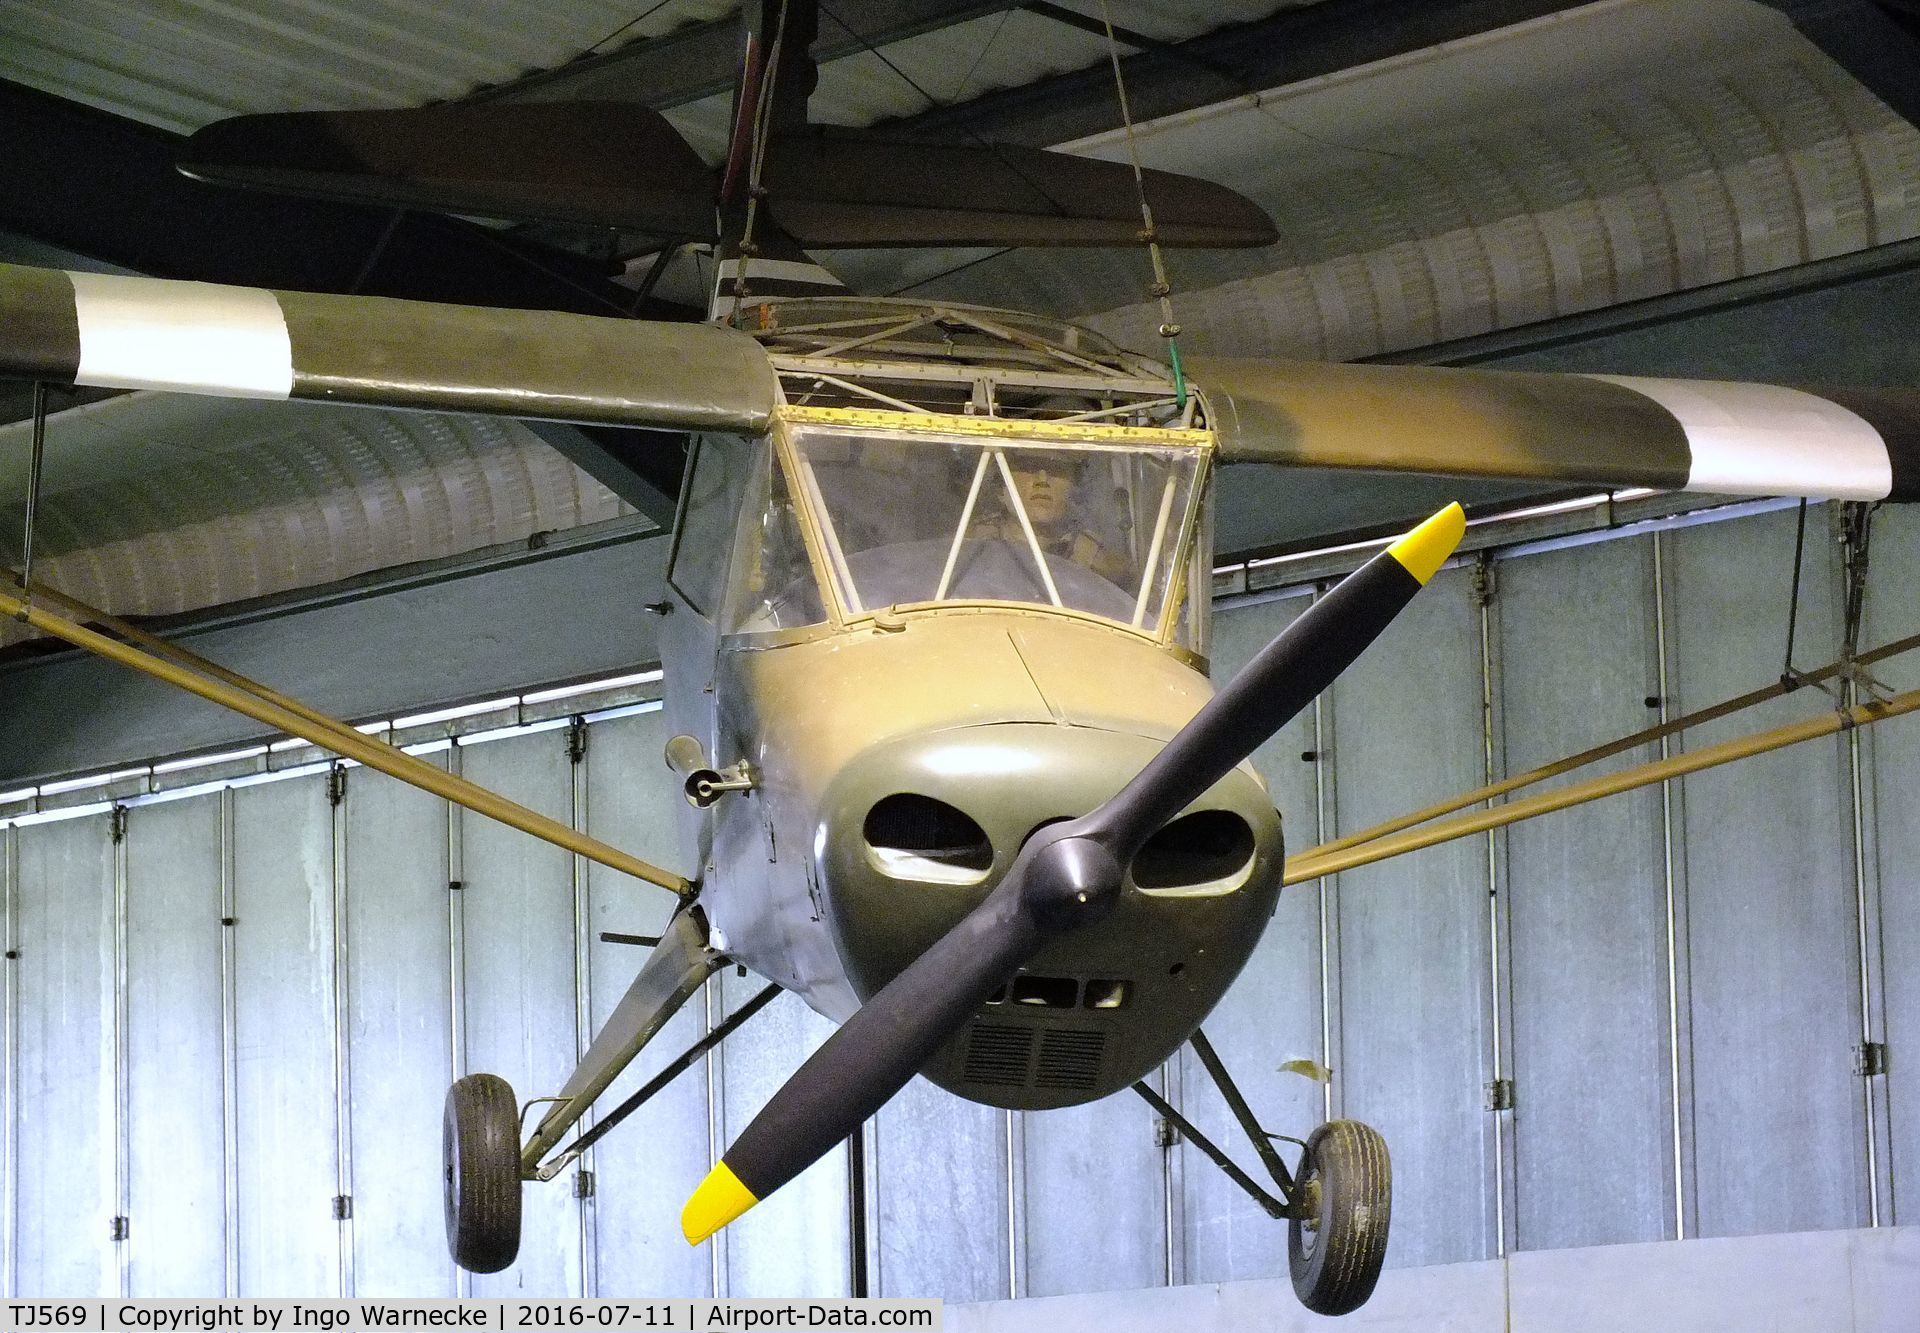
point(1601, 430)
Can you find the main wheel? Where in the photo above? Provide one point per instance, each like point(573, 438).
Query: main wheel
point(1337, 1238)
point(481, 1145)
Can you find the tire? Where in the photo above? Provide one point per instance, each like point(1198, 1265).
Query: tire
point(481, 1157)
point(1345, 1187)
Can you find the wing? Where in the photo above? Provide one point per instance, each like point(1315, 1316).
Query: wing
point(1601, 430)
point(117, 332)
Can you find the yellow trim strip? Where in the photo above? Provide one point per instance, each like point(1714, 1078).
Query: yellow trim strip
point(715, 1202)
point(1006, 428)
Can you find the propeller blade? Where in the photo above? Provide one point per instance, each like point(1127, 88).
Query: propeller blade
point(1602, 430)
point(1068, 876)
point(118, 332)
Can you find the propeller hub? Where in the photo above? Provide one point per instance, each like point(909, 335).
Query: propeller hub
point(1072, 882)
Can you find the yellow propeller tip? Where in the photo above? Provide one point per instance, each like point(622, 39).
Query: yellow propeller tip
point(1422, 551)
point(719, 1199)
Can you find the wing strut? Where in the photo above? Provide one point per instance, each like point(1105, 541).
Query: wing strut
point(193, 673)
point(1351, 853)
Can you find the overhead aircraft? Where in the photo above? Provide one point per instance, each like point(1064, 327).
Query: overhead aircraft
point(936, 617)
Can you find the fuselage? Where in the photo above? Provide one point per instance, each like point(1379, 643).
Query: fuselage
point(915, 639)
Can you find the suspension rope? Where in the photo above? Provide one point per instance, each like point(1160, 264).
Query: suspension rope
point(35, 465)
point(1161, 289)
point(757, 153)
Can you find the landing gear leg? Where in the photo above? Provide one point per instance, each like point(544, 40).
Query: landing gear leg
point(1337, 1206)
point(484, 1160)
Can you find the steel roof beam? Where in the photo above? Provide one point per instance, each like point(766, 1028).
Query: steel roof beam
point(1287, 47)
point(1873, 45)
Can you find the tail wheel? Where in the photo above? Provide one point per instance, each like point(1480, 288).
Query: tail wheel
point(481, 1146)
point(1337, 1237)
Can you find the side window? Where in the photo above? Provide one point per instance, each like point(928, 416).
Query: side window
point(708, 512)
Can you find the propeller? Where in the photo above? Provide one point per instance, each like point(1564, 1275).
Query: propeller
point(1067, 877)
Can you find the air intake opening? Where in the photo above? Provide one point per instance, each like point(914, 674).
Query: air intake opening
point(1195, 851)
point(1046, 992)
point(910, 836)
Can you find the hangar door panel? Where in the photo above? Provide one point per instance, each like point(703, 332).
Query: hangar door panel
point(1771, 921)
point(647, 1168)
point(399, 1019)
point(797, 1240)
point(286, 1107)
point(1272, 1014)
point(1893, 751)
point(941, 1180)
point(65, 1191)
point(1587, 906)
point(176, 1049)
point(1415, 1037)
point(1095, 1184)
point(517, 910)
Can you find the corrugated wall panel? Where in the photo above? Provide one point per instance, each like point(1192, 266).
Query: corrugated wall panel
point(289, 1243)
point(1095, 1185)
point(398, 969)
point(1893, 755)
point(517, 907)
point(1272, 1014)
point(1414, 1050)
point(64, 1191)
point(1771, 929)
point(942, 1193)
point(797, 1241)
point(645, 1169)
point(176, 1049)
point(1587, 907)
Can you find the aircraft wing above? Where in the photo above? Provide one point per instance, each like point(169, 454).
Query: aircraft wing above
point(1602, 430)
point(114, 332)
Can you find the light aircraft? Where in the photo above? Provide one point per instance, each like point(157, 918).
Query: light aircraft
point(936, 630)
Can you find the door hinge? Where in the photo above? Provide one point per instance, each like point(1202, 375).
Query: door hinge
point(1165, 1134)
point(117, 829)
point(1870, 1059)
point(336, 784)
point(576, 739)
point(583, 1184)
point(120, 1229)
point(1486, 583)
point(1500, 1095)
point(342, 1207)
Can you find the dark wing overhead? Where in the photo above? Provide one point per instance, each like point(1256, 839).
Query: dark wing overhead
point(247, 342)
point(1601, 430)
point(836, 190)
point(600, 164)
point(608, 164)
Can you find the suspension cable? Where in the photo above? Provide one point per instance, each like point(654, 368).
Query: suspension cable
point(35, 464)
point(1161, 289)
point(757, 153)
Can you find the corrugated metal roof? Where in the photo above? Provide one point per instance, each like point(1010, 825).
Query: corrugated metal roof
point(181, 63)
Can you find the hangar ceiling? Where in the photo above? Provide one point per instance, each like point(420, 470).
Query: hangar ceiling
point(1437, 171)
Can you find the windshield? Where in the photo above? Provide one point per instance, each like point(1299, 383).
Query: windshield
point(908, 518)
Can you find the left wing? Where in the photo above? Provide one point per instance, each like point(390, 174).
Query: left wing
point(114, 332)
point(1601, 430)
